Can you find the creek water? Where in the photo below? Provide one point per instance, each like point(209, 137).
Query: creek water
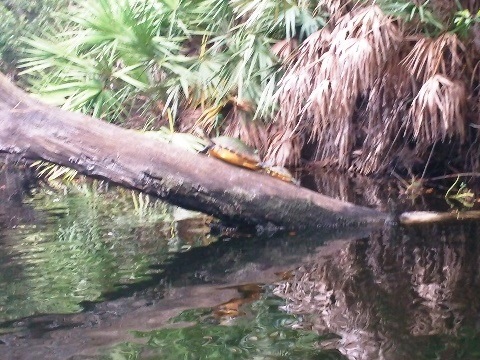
point(85, 276)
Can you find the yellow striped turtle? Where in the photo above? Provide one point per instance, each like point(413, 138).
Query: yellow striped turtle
point(281, 173)
point(234, 151)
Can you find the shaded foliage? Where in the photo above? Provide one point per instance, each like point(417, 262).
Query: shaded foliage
point(268, 334)
point(80, 246)
point(359, 85)
point(119, 59)
point(19, 18)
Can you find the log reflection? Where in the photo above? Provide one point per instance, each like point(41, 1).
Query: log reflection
point(396, 295)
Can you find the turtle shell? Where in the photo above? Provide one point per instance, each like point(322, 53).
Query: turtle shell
point(281, 173)
point(234, 151)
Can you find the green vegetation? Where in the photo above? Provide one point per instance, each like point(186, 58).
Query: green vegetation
point(364, 86)
point(22, 18)
point(117, 59)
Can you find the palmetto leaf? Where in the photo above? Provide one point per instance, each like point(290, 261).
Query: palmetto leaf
point(52, 171)
point(445, 54)
point(113, 52)
point(123, 74)
point(132, 48)
point(414, 12)
point(438, 110)
point(274, 18)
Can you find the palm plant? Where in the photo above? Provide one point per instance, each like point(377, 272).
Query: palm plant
point(379, 83)
point(115, 58)
point(112, 56)
point(370, 91)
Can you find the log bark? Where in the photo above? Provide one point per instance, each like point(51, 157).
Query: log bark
point(129, 158)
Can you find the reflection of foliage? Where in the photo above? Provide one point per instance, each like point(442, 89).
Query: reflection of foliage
point(268, 335)
point(90, 243)
point(410, 293)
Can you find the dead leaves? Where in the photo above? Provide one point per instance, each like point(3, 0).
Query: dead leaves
point(359, 87)
point(437, 111)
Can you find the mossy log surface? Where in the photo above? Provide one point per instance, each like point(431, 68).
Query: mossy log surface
point(129, 158)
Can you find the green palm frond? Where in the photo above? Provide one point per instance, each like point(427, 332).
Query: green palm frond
point(79, 82)
point(171, 52)
point(419, 13)
point(52, 172)
point(279, 19)
point(113, 52)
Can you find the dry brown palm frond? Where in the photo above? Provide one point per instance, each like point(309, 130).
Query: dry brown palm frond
point(363, 44)
point(372, 24)
point(389, 121)
point(383, 144)
point(284, 146)
point(388, 96)
point(353, 68)
point(283, 49)
point(208, 120)
point(318, 94)
point(349, 56)
point(444, 55)
point(357, 66)
point(187, 118)
point(296, 85)
point(318, 107)
point(381, 127)
point(293, 91)
point(333, 146)
point(310, 50)
point(438, 110)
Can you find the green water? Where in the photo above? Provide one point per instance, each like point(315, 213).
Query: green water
point(92, 276)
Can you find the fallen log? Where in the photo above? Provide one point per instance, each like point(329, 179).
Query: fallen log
point(129, 158)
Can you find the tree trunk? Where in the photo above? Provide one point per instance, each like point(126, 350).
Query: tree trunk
point(193, 181)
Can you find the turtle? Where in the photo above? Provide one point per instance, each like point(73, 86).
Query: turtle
point(281, 173)
point(234, 151)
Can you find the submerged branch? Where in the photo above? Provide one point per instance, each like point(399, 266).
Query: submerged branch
point(429, 217)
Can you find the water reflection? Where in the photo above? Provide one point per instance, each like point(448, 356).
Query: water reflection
point(94, 278)
point(410, 293)
point(81, 246)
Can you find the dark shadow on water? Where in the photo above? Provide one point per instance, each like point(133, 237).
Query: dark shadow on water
point(402, 293)
point(365, 293)
point(392, 293)
point(200, 278)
